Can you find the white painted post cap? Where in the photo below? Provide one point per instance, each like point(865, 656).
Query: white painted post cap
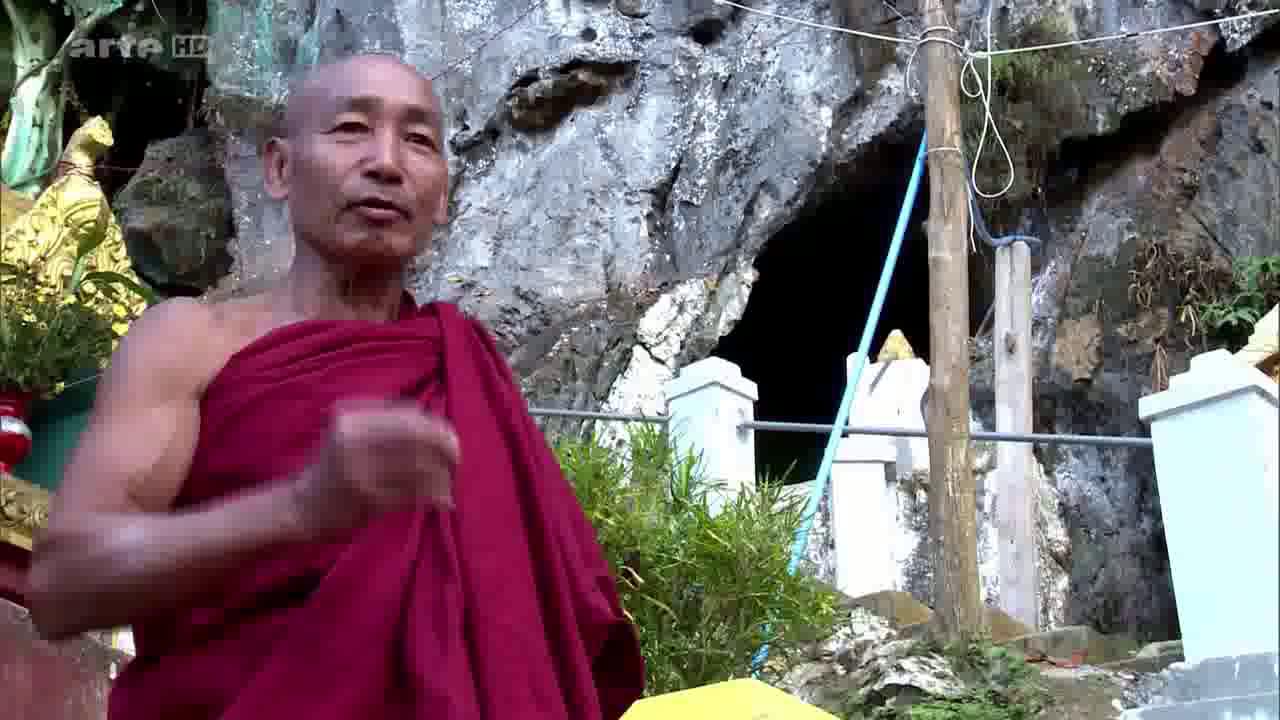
point(711, 371)
point(1213, 376)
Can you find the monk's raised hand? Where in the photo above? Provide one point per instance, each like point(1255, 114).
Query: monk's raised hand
point(379, 457)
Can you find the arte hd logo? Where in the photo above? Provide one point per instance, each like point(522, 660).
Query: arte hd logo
point(191, 46)
point(182, 47)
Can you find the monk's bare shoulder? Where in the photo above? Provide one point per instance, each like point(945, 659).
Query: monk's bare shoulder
point(176, 343)
point(187, 341)
point(137, 446)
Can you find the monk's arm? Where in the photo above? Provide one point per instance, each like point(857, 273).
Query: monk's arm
point(114, 553)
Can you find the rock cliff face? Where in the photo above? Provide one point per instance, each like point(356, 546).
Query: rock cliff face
point(619, 167)
point(649, 148)
point(1197, 177)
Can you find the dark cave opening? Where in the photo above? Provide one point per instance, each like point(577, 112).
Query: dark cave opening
point(805, 315)
point(144, 99)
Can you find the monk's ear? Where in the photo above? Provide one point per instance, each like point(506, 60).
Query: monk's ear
point(275, 167)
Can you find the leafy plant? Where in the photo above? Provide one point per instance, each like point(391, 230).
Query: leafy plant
point(48, 329)
point(705, 590)
point(1254, 289)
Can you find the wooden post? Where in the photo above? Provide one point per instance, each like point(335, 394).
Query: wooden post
point(953, 512)
point(1015, 513)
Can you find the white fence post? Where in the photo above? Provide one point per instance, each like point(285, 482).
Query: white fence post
point(865, 497)
point(705, 405)
point(1214, 434)
point(1015, 513)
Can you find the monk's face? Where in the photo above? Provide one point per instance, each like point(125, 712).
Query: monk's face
point(361, 162)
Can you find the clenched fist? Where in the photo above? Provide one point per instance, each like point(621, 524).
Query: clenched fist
point(378, 457)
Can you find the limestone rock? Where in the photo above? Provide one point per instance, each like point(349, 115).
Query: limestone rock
point(868, 660)
point(631, 8)
point(175, 214)
point(872, 665)
point(753, 125)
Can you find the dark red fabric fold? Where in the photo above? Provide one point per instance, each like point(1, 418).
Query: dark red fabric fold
point(503, 608)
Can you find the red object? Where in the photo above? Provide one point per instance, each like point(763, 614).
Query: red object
point(15, 434)
point(1077, 658)
point(501, 609)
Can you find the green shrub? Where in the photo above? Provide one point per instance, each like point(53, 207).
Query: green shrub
point(704, 590)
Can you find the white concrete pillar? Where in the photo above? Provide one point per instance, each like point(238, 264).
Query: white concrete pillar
point(706, 403)
point(1215, 439)
point(865, 513)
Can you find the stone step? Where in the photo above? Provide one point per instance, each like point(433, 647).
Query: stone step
point(1064, 642)
point(911, 618)
point(1151, 659)
point(1264, 706)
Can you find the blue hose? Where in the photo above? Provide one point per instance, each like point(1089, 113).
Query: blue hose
point(851, 386)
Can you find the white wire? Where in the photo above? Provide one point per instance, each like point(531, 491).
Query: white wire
point(818, 25)
point(983, 95)
point(1254, 15)
point(969, 70)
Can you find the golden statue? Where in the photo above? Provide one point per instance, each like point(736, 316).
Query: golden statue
point(13, 205)
point(47, 234)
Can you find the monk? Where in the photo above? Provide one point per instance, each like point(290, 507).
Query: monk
point(325, 502)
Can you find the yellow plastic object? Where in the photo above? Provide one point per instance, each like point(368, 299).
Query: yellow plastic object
point(1263, 349)
point(745, 699)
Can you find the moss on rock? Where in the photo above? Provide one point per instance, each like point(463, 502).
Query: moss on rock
point(1036, 102)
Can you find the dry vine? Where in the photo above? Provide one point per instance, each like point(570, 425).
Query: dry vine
point(1193, 278)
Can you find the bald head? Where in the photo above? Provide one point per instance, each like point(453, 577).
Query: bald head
point(319, 86)
point(359, 156)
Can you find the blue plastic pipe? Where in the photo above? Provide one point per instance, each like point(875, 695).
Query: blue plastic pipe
point(819, 489)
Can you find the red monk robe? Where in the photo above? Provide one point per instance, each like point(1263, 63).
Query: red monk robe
point(502, 609)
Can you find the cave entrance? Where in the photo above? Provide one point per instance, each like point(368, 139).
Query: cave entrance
point(816, 281)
